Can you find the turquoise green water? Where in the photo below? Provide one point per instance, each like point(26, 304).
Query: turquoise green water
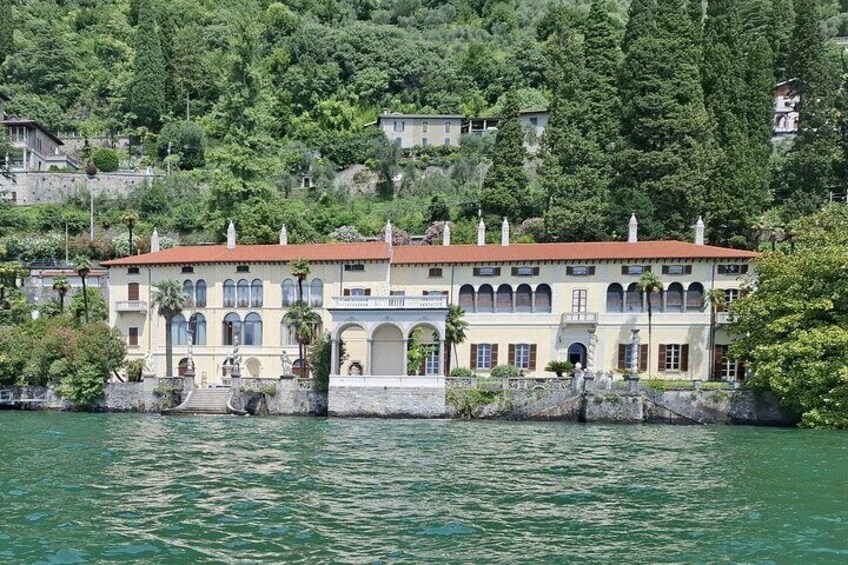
point(82, 488)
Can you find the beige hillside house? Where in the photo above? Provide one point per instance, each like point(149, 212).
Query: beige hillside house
point(526, 304)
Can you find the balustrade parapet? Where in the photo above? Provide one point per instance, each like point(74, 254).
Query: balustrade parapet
point(390, 302)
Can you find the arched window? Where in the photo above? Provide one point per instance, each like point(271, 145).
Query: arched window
point(179, 334)
point(503, 300)
point(256, 293)
point(633, 298)
point(466, 298)
point(288, 292)
point(232, 328)
point(523, 298)
point(674, 298)
point(695, 297)
point(486, 299)
point(229, 294)
point(543, 298)
point(197, 325)
point(243, 294)
point(287, 333)
point(615, 298)
point(253, 329)
point(188, 289)
point(317, 292)
point(200, 293)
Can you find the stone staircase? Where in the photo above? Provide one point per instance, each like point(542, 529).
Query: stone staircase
point(205, 401)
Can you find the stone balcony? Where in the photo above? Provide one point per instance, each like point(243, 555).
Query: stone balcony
point(579, 318)
point(138, 306)
point(390, 302)
point(724, 318)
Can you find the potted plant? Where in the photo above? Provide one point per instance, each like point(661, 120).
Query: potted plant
point(559, 367)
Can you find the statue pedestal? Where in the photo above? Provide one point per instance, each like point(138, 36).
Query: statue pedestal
point(632, 383)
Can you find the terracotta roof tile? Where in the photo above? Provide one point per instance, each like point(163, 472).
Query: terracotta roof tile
point(258, 254)
point(564, 252)
point(643, 250)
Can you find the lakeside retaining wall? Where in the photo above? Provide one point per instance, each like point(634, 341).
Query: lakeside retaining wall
point(387, 397)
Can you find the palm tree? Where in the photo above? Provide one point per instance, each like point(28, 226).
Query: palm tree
point(300, 269)
point(82, 266)
point(130, 217)
point(455, 327)
point(169, 298)
point(304, 320)
point(649, 284)
point(718, 302)
point(62, 287)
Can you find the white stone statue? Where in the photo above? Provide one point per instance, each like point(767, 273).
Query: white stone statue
point(286, 362)
point(148, 370)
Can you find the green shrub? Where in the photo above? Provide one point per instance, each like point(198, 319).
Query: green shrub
point(559, 367)
point(320, 360)
point(106, 160)
point(462, 373)
point(501, 371)
point(134, 370)
point(187, 139)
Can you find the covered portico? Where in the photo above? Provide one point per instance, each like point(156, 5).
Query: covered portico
point(387, 322)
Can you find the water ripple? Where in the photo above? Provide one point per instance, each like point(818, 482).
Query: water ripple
point(82, 488)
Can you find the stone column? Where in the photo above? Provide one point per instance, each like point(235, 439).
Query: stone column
point(590, 354)
point(334, 357)
point(369, 345)
point(633, 376)
point(403, 356)
point(442, 358)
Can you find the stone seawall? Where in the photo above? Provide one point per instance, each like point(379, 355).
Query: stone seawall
point(387, 397)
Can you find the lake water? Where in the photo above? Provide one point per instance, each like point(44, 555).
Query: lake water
point(86, 488)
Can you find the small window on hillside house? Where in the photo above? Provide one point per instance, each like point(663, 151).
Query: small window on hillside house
point(187, 270)
point(435, 273)
point(354, 267)
point(132, 271)
point(242, 269)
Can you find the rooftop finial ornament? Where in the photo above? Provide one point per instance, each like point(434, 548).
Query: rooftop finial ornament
point(446, 234)
point(505, 233)
point(633, 232)
point(389, 232)
point(154, 241)
point(481, 233)
point(284, 235)
point(231, 236)
point(699, 231)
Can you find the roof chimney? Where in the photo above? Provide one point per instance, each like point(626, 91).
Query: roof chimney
point(231, 236)
point(284, 235)
point(446, 234)
point(505, 233)
point(389, 233)
point(699, 231)
point(154, 241)
point(633, 233)
point(481, 233)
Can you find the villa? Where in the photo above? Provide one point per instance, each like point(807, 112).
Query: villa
point(526, 304)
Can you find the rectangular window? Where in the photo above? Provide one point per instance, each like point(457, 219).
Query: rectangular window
point(398, 142)
point(187, 270)
point(579, 300)
point(424, 142)
point(399, 125)
point(397, 293)
point(447, 127)
point(672, 357)
point(425, 125)
point(625, 357)
point(242, 269)
point(522, 355)
point(525, 271)
point(732, 269)
point(435, 273)
point(635, 269)
point(132, 271)
point(726, 368)
point(435, 293)
point(132, 337)
point(484, 356)
point(132, 292)
point(677, 269)
point(731, 295)
point(358, 292)
point(487, 271)
point(432, 365)
point(534, 122)
point(354, 267)
point(447, 141)
point(580, 271)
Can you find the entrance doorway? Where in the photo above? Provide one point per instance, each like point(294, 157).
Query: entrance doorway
point(577, 354)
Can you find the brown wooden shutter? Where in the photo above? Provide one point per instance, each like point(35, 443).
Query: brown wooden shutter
point(494, 355)
point(511, 353)
point(476, 271)
point(665, 269)
point(718, 357)
point(346, 292)
point(744, 269)
point(473, 357)
point(367, 292)
point(721, 269)
point(536, 271)
point(684, 357)
point(591, 270)
point(622, 356)
point(569, 270)
point(497, 271)
point(643, 358)
point(688, 269)
point(661, 358)
point(647, 268)
point(740, 370)
point(422, 367)
point(132, 291)
point(533, 357)
point(624, 270)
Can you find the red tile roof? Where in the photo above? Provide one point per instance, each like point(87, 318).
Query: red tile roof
point(258, 254)
point(643, 250)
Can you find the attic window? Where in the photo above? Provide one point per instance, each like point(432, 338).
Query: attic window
point(132, 271)
point(635, 269)
point(354, 267)
point(677, 269)
point(525, 271)
point(435, 272)
point(579, 271)
point(187, 270)
point(242, 269)
point(487, 271)
point(732, 269)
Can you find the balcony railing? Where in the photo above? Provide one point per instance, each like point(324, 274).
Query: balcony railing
point(390, 302)
point(723, 318)
point(131, 306)
point(572, 318)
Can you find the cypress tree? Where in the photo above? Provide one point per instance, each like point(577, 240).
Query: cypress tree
point(146, 96)
point(505, 187)
point(780, 35)
point(7, 30)
point(739, 187)
point(667, 153)
point(603, 59)
point(807, 175)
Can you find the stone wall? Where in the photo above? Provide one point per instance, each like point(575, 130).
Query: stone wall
point(402, 400)
point(742, 406)
point(152, 395)
point(56, 187)
point(291, 397)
